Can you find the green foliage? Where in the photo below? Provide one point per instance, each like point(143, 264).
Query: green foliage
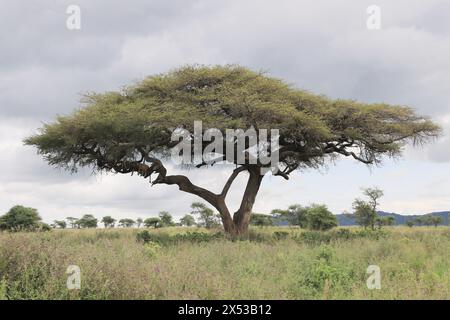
point(314, 217)
point(414, 264)
point(428, 220)
point(187, 220)
point(152, 222)
point(61, 224)
point(139, 222)
point(3, 287)
point(280, 235)
point(166, 219)
point(320, 218)
point(365, 212)
point(385, 221)
point(364, 215)
point(206, 216)
point(112, 128)
point(261, 220)
point(151, 249)
point(44, 227)
point(87, 221)
point(319, 237)
point(73, 222)
point(20, 218)
point(165, 239)
point(323, 273)
point(126, 223)
point(108, 221)
point(295, 215)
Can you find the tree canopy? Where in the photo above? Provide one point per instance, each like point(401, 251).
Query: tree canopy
point(87, 221)
point(187, 220)
point(20, 218)
point(130, 130)
point(126, 223)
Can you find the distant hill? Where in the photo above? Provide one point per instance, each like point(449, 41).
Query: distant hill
point(399, 218)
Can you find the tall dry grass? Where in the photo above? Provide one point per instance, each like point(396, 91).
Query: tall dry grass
point(414, 262)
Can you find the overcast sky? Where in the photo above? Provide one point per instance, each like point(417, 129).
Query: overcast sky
point(321, 46)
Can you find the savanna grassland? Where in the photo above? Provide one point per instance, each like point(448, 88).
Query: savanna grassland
point(191, 263)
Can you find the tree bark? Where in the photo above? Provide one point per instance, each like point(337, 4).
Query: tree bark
point(241, 218)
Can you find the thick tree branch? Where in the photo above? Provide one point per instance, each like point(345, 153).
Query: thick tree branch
point(230, 180)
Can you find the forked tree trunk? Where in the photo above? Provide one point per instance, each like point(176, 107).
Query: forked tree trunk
point(241, 218)
point(235, 225)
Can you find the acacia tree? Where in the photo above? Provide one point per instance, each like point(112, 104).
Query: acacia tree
point(295, 215)
point(152, 222)
point(60, 224)
point(320, 218)
point(126, 223)
point(108, 221)
point(166, 219)
point(20, 218)
point(87, 221)
point(130, 131)
point(73, 222)
point(365, 212)
point(187, 220)
point(206, 216)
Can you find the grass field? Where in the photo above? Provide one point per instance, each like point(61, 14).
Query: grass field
point(414, 263)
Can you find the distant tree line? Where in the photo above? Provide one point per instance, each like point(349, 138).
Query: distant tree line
point(20, 218)
point(313, 217)
point(426, 220)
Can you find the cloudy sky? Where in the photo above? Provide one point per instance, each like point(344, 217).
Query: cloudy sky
point(322, 46)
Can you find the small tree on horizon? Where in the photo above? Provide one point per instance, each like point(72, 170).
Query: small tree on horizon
point(152, 222)
point(295, 215)
point(429, 220)
point(320, 218)
point(365, 212)
point(207, 218)
point(108, 221)
point(166, 219)
point(126, 223)
point(73, 222)
point(139, 222)
point(187, 220)
point(61, 224)
point(87, 221)
point(384, 221)
point(20, 218)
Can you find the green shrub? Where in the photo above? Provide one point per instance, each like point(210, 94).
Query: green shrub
point(280, 235)
point(151, 249)
point(319, 237)
point(321, 275)
point(313, 237)
point(255, 236)
point(165, 239)
point(3, 287)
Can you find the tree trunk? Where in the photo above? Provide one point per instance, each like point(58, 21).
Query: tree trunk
point(227, 221)
point(241, 218)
